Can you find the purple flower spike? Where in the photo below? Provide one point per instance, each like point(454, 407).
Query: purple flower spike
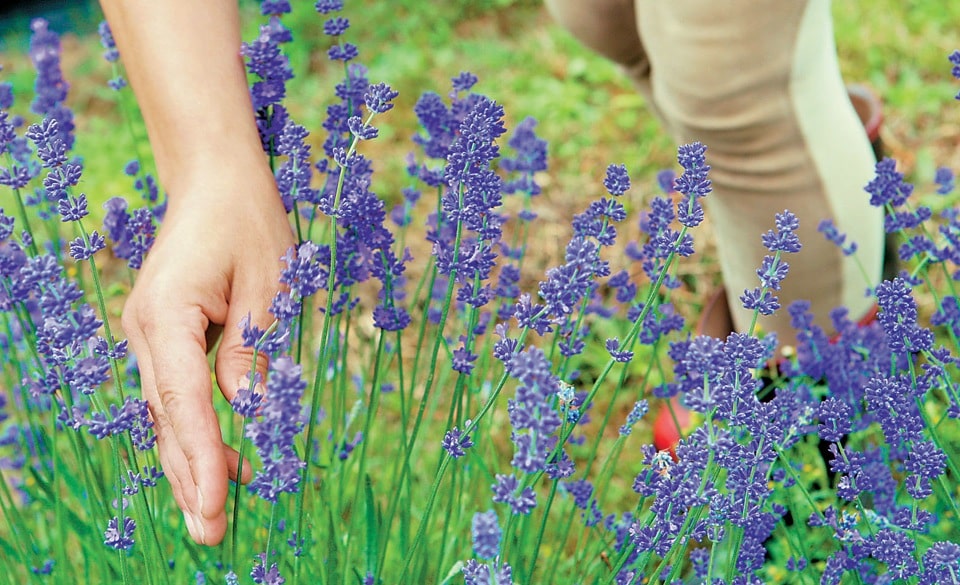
point(456, 442)
point(486, 535)
point(379, 98)
point(50, 88)
point(955, 60)
point(888, 186)
point(836, 419)
point(617, 180)
point(273, 434)
point(693, 183)
point(328, 6)
point(119, 535)
point(784, 239)
point(944, 179)
point(829, 231)
point(111, 54)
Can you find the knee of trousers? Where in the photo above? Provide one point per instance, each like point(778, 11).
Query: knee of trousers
point(749, 131)
point(607, 27)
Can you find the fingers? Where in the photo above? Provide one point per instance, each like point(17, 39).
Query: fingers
point(188, 432)
point(233, 461)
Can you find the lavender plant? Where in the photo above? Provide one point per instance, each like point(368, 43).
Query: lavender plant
point(428, 417)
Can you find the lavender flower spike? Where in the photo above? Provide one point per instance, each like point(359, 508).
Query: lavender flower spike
point(273, 434)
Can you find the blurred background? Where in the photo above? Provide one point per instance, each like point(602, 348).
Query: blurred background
point(588, 113)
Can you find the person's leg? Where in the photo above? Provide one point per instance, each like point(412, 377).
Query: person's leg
point(608, 27)
point(758, 82)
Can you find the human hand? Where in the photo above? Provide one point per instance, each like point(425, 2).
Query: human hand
point(216, 260)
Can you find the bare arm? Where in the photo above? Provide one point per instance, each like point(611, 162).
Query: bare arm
point(216, 257)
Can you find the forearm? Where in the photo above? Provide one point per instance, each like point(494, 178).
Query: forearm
point(182, 58)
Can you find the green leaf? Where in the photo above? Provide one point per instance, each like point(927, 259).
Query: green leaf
point(333, 567)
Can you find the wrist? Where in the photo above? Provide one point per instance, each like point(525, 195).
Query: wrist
point(223, 184)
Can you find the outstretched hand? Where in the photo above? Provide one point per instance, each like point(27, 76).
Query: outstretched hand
point(216, 260)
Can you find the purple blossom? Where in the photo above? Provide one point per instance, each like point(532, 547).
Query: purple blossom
point(59, 180)
point(379, 98)
point(6, 95)
point(505, 492)
point(693, 183)
point(51, 148)
point(941, 562)
point(892, 401)
point(335, 26)
point(898, 317)
point(531, 158)
point(463, 82)
point(73, 208)
point(265, 60)
point(110, 54)
point(132, 234)
point(295, 174)
point(785, 238)
point(486, 535)
point(772, 272)
point(274, 7)
point(247, 402)
point(7, 131)
point(456, 442)
point(328, 6)
point(617, 180)
point(476, 573)
point(273, 433)
point(888, 186)
point(80, 250)
point(470, 201)
point(360, 130)
point(944, 179)
point(835, 420)
point(119, 535)
point(763, 302)
point(438, 122)
point(896, 550)
point(619, 355)
point(926, 460)
point(344, 52)
point(947, 314)
point(50, 89)
point(829, 231)
point(955, 60)
point(346, 447)
point(639, 410)
point(263, 575)
point(532, 412)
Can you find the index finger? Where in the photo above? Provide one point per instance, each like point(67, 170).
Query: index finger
point(182, 378)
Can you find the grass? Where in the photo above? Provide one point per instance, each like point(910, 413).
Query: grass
point(588, 113)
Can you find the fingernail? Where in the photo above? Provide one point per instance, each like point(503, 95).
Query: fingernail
point(244, 382)
point(199, 518)
point(193, 527)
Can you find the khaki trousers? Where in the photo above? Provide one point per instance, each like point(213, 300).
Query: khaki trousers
point(758, 82)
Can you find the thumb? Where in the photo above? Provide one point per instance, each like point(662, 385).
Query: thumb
point(238, 364)
point(238, 367)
